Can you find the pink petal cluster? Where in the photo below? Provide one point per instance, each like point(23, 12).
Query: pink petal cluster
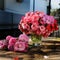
point(23, 37)
point(22, 43)
point(38, 23)
point(11, 47)
point(3, 44)
point(20, 46)
point(11, 43)
point(14, 44)
point(8, 37)
point(48, 19)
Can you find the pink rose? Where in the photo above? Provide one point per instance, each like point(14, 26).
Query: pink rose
point(41, 22)
point(3, 44)
point(8, 37)
point(12, 41)
point(35, 17)
point(24, 37)
point(25, 26)
point(37, 23)
point(49, 19)
point(42, 28)
point(34, 27)
point(20, 46)
point(38, 32)
point(11, 47)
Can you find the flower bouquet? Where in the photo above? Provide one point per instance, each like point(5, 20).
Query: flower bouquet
point(37, 25)
point(11, 43)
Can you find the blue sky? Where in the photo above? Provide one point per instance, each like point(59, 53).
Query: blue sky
point(55, 4)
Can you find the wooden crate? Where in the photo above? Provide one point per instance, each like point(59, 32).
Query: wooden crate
point(10, 55)
point(49, 45)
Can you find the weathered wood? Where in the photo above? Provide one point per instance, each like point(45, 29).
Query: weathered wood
point(50, 44)
point(10, 55)
point(46, 47)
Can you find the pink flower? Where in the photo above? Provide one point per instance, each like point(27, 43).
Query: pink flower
point(12, 41)
point(3, 44)
point(38, 32)
point(41, 22)
point(42, 28)
point(10, 47)
point(48, 19)
point(35, 17)
point(20, 46)
point(34, 27)
point(25, 26)
point(8, 37)
point(37, 23)
point(24, 37)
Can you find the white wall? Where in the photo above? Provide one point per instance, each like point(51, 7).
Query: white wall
point(19, 8)
point(31, 5)
point(41, 5)
point(25, 6)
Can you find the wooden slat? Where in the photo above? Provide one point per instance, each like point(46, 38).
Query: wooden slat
point(49, 47)
point(25, 56)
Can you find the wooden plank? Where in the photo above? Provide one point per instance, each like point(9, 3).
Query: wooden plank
point(50, 44)
point(51, 48)
point(9, 55)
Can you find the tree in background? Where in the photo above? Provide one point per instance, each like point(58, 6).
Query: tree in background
point(56, 14)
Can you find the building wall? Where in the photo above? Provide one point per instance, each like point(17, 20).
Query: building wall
point(14, 11)
point(7, 18)
point(25, 6)
point(41, 5)
point(18, 8)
